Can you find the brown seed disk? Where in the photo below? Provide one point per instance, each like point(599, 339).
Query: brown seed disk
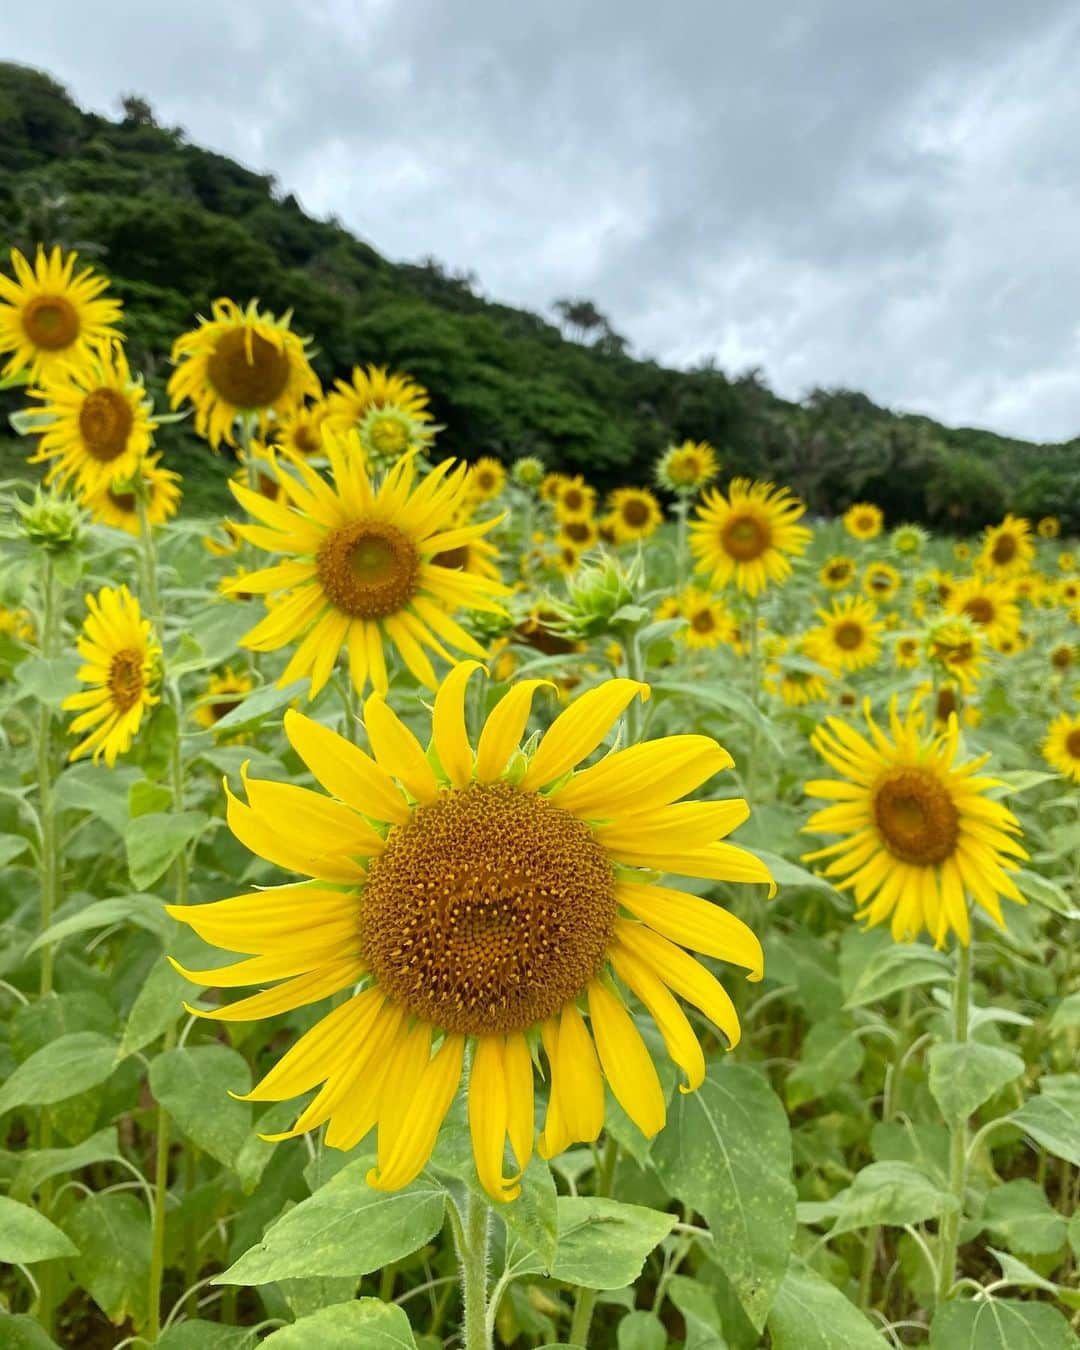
point(980, 609)
point(247, 376)
point(105, 422)
point(1072, 744)
point(848, 635)
point(635, 513)
point(126, 678)
point(745, 537)
point(916, 817)
point(489, 911)
point(50, 322)
point(368, 569)
point(1005, 549)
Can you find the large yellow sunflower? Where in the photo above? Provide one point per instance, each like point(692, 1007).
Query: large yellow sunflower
point(864, 520)
point(48, 316)
point(361, 572)
point(1061, 748)
point(1008, 549)
point(388, 412)
point(483, 909)
point(850, 635)
point(116, 504)
point(121, 666)
point(240, 361)
point(920, 833)
point(634, 513)
point(746, 536)
point(100, 420)
point(989, 605)
point(687, 467)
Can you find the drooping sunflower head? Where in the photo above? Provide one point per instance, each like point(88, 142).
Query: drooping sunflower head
point(49, 316)
point(849, 638)
point(240, 361)
point(955, 648)
point(574, 499)
point(487, 478)
point(881, 582)
point(920, 835)
point(688, 467)
point(115, 503)
point(908, 540)
point(100, 420)
point(989, 605)
point(225, 691)
point(301, 429)
point(748, 536)
point(837, 572)
point(360, 569)
point(486, 902)
point(121, 667)
point(1061, 747)
point(634, 513)
point(1007, 548)
point(864, 520)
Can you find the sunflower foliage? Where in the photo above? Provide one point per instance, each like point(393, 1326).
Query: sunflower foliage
point(461, 905)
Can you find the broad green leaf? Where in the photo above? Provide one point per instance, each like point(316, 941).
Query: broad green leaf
point(726, 696)
point(54, 1015)
point(347, 1326)
point(345, 1228)
point(269, 698)
point(963, 1075)
point(1051, 1123)
point(157, 1006)
point(212, 638)
point(811, 1314)
point(112, 1233)
point(22, 1332)
point(154, 841)
point(313, 1292)
point(788, 874)
point(147, 911)
point(1034, 886)
point(889, 1193)
point(830, 1055)
point(1074, 1234)
point(200, 1335)
point(1000, 1324)
point(603, 1243)
point(100, 790)
point(1019, 1214)
point(145, 798)
point(193, 1084)
point(50, 681)
point(1021, 1275)
point(11, 845)
point(642, 1331)
point(60, 1070)
point(704, 1324)
point(727, 1152)
point(40, 1164)
point(27, 1236)
point(1020, 780)
point(896, 967)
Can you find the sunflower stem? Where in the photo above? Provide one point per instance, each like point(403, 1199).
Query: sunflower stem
point(471, 1233)
point(635, 670)
point(682, 512)
point(950, 1225)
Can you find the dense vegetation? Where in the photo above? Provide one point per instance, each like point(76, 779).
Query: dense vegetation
point(175, 226)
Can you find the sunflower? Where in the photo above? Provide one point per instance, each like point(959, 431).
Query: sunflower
point(908, 540)
point(100, 420)
point(567, 558)
point(956, 649)
point(487, 906)
point(121, 666)
point(49, 316)
point(708, 619)
point(240, 361)
point(850, 636)
point(581, 534)
point(550, 486)
point(17, 624)
point(1049, 527)
point(476, 556)
point(301, 429)
point(961, 551)
point(745, 536)
point(1066, 561)
point(1063, 656)
point(574, 499)
point(687, 468)
point(634, 513)
point(864, 520)
point(1007, 548)
point(388, 412)
point(837, 572)
point(921, 833)
point(881, 582)
point(793, 677)
point(907, 652)
point(989, 605)
point(487, 478)
point(224, 692)
point(1061, 748)
point(361, 570)
point(116, 504)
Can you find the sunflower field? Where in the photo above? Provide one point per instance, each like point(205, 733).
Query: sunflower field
point(444, 904)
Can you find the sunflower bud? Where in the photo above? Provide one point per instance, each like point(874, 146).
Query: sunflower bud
point(527, 472)
point(52, 522)
point(602, 599)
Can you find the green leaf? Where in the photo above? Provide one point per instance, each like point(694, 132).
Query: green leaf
point(1074, 1234)
point(1000, 1324)
point(603, 1243)
point(267, 699)
point(199, 1335)
point(728, 697)
point(345, 1326)
point(811, 1314)
point(345, 1228)
point(22, 1332)
point(37, 1166)
point(830, 1055)
point(1019, 1274)
point(11, 845)
point(50, 681)
point(146, 911)
point(892, 1193)
point(60, 1070)
point(193, 1084)
point(100, 790)
point(113, 1235)
point(27, 1236)
point(157, 1006)
point(963, 1075)
point(1050, 1123)
point(1019, 1214)
point(145, 798)
point(727, 1152)
point(704, 1324)
point(154, 841)
point(642, 1331)
point(1033, 886)
point(896, 967)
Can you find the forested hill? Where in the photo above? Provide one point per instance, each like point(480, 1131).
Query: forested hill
point(176, 226)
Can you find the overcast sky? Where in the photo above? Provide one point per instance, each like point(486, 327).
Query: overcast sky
point(856, 193)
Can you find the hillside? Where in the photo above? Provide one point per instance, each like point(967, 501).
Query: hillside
point(175, 226)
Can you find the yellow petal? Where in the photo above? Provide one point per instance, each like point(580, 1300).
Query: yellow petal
point(448, 725)
point(693, 922)
point(398, 751)
point(520, 1118)
point(682, 1045)
point(263, 838)
point(577, 1072)
point(345, 770)
point(642, 777)
point(487, 1118)
point(681, 972)
point(294, 993)
point(627, 1064)
point(685, 825)
point(415, 1129)
point(307, 819)
point(504, 729)
point(577, 732)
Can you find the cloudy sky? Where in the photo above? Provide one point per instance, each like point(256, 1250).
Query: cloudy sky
point(843, 192)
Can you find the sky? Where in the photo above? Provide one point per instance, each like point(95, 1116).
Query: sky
point(842, 193)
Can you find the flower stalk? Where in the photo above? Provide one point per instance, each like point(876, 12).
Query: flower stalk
point(958, 1130)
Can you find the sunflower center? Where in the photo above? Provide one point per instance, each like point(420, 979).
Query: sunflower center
point(126, 679)
point(223, 706)
point(247, 370)
point(839, 572)
point(50, 322)
point(306, 440)
point(485, 480)
point(635, 513)
point(946, 704)
point(1061, 658)
point(848, 635)
point(123, 501)
point(573, 499)
point(578, 530)
point(745, 538)
point(453, 557)
point(368, 569)
point(980, 609)
point(489, 911)
point(703, 621)
point(105, 422)
point(1004, 550)
point(879, 581)
point(916, 817)
point(1072, 743)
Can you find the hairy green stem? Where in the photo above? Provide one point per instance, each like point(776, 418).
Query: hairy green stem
point(635, 670)
point(958, 1130)
point(471, 1233)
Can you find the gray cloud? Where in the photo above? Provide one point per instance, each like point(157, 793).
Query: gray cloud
point(880, 197)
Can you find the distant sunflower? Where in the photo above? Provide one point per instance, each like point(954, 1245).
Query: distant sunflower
point(487, 478)
point(1061, 748)
point(688, 467)
point(908, 652)
point(864, 520)
point(908, 540)
point(1008, 548)
point(961, 550)
point(567, 558)
point(550, 485)
point(115, 504)
point(837, 572)
point(634, 514)
point(224, 692)
point(792, 676)
point(708, 619)
point(988, 604)
point(121, 667)
point(849, 638)
point(49, 317)
point(17, 623)
point(1049, 527)
point(361, 572)
point(1063, 657)
point(582, 534)
point(881, 582)
point(956, 649)
point(240, 361)
point(746, 537)
point(101, 421)
point(389, 413)
point(476, 556)
point(489, 901)
point(921, 835)
point(301, 429)
point(574, 499)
